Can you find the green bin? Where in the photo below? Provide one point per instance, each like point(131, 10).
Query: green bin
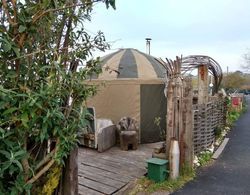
point(157, 169)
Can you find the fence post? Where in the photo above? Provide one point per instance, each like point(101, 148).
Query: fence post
point(202, 84)
point(180, 115)
point(69, 183)
point(186, 133)
point(170, 117)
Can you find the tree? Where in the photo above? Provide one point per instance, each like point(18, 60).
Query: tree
point(234, 80)
point(246, 64)
point(42, 44)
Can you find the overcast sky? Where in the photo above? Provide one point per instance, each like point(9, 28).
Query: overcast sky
point(217, 28)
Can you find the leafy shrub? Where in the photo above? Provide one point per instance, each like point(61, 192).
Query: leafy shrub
point(42, 95)
point(204, 158)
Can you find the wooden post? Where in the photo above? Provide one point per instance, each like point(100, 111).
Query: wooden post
point(69, 183)
point(186, 133)
point(169, 117)
point(180, 115)
point(202, 84)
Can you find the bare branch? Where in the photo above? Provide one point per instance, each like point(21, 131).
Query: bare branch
point(41, 172)
point(45, 160)
point(36, 52)
point(25, 162)
point(38, 15)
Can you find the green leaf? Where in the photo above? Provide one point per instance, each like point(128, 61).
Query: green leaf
point(5, 166)
point(3, 104)
point(18, 164)
point(12, 74)
point(44, 68)
point(44, 133)
point(21, 28)
point(14, 191)
point(21, 95)
point(8, 133)
point(39, 105)
point(5, 153)
point(20, 153)
point(13, 169)
point(10, 110)
point(6, 45)
point(42, 136)
point(24, 119)
point(17, 51)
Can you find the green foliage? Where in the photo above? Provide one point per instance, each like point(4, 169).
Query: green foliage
point(233, 116)
point(204, 158)
point(50, 182)
point(234, 80)
point(157, 122)
point(218, 132)
point(42, 87)
point(246, 62)
point(148, 186)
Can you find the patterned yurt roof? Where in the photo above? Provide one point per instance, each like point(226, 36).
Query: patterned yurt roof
point(130, 64)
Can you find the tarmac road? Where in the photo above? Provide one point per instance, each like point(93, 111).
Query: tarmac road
point(230, 173)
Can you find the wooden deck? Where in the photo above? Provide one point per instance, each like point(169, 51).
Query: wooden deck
point(110, 171)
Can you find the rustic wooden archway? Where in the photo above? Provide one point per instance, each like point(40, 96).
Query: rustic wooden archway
point(195, 61)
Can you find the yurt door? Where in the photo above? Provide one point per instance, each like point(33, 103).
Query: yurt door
point(153, 112)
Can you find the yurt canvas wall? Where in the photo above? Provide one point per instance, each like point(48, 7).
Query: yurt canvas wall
point(132, 84)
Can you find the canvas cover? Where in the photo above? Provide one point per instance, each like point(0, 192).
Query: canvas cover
point(131, 83)
point(114, 101)
point(130, 64)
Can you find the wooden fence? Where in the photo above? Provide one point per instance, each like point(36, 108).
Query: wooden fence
point(207, 117)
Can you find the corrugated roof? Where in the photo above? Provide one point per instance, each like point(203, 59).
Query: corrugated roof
point(130, 64)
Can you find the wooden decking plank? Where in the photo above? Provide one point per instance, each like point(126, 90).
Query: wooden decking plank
point(87, 191)
point(96, 186)
point(110, 169)
point(133, 159)
point(107, 157)
point(104, 173)
point(126, 168)
point(118, 160)
point(100, 179)
point(106, 161)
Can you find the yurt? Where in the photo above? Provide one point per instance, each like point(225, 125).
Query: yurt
point(132, 84)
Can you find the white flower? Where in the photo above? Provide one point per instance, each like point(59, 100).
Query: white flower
point(211, 148)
